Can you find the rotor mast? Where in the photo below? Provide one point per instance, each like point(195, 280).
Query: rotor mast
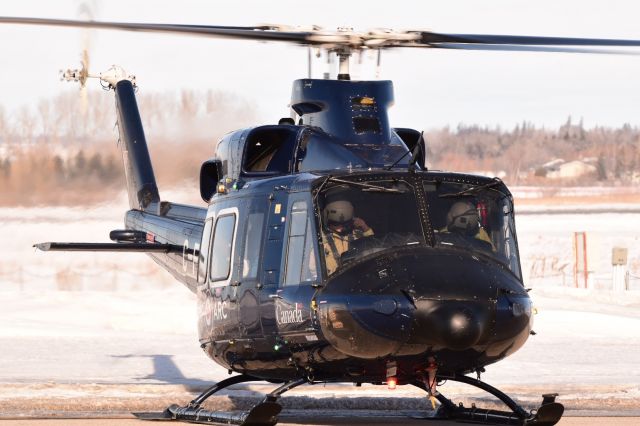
point(344, 53)
point(343, 61)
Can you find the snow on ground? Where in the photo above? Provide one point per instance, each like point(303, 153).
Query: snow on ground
point(546, 243)
point(103, 337)
point(71, 323)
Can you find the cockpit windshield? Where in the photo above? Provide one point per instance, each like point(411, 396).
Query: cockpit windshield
point(359, 218)
point(474, 217)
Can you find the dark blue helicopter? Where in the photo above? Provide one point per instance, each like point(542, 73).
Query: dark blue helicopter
point(328, 251)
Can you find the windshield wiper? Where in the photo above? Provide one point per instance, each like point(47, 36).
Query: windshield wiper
point(367, 187)
point(473, 189)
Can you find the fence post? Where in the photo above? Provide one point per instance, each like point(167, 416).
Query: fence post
point(619, 263)
point(580, 267)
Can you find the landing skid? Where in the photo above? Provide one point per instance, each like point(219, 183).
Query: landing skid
point(548, 414)
point(266, 412)
point(262, 414)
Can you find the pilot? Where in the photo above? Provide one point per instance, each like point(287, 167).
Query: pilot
point(462, 218)
point(341, 228)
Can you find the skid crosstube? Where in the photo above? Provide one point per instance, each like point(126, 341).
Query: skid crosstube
point(262, 414)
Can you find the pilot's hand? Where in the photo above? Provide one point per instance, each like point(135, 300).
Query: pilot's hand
point(360, 224)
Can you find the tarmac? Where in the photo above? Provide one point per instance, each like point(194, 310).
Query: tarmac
point(372, 421)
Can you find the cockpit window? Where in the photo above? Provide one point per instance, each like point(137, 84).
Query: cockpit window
point(474, 217)
point(269, 149)
point(360, 218)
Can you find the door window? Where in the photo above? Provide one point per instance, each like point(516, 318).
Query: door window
point(221, 250)
point(301, 258)
point(252, 243)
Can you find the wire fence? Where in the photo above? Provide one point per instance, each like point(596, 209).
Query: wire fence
point(539, 274)
point(111, 277)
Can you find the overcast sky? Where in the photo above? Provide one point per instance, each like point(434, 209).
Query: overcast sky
point(433, 88)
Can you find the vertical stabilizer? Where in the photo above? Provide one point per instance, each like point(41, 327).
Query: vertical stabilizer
point(141, 182)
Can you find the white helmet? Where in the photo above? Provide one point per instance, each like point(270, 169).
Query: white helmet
point(338, 212)
point(463, 217)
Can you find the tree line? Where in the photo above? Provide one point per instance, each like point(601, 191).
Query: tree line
point(63, 150)
point(520, 152)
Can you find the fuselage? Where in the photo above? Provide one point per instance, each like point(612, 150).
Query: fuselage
point(421, 274)
point(411, 295)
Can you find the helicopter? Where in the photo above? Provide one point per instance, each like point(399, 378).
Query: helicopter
point(328, 251)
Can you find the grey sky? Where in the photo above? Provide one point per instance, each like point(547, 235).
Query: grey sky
point(433, 88)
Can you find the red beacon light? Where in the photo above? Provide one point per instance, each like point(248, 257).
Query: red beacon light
point(391, 383)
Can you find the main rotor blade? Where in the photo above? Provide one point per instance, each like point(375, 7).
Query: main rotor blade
point(259, 33)
point(355, 40)
point(516, 48)
point(435, 38)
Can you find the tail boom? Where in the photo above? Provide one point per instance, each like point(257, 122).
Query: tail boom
point(141, 181)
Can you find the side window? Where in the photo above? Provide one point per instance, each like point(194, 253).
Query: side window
point(309, 270)
point(252, 242)
point(204, 250)
point(301, 260)
point(509, 235)
point(220, 262)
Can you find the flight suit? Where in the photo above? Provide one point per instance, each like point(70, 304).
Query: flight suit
point(481, 235)
point(335, 244)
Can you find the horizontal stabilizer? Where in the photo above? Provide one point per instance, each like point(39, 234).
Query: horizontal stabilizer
point(114, 247)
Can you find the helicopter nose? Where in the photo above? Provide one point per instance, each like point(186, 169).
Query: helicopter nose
point(377, 325)
point(422, 299)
